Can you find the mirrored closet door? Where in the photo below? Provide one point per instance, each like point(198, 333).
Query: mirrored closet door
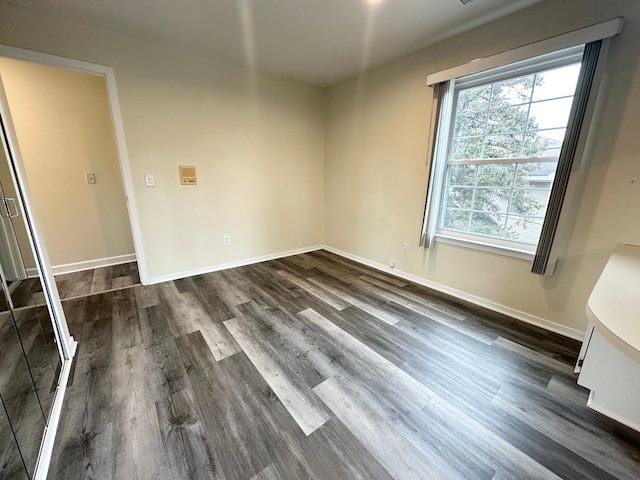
point(30, 357)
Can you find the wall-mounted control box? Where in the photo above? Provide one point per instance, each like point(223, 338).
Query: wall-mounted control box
point(188, 175)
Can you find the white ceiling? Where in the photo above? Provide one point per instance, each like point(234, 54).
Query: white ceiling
point(315, 41)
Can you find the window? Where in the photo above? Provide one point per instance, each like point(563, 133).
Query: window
point(509, 152)
point(503, 149)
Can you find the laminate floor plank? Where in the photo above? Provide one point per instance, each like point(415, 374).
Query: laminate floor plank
point(97, 280)
point(137, 442)
point(376, 334)
point(219, 311)
point(164, 372)
point(293, 392)
point(220, 341)
point(314, 366)
point(546, 451)
point(228, 292)
point(146, 296)
point(401, 458)
point(427, 309)
point(128, 331)
point(341, 292)
point(287, 356)
point(330, 452)
point(239, 448)
point(574, 429)
point(317, 292)
point(569, 390)
point(418, 298)
point(154, 324)
point(479, 360)
point(84, 438)
point(184, 437)
point(270, 472)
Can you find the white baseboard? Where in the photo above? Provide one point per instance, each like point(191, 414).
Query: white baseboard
point(32, 273)
point(48, 439)
point(593, 405)
point(90, 264)
point(481, 302)
point(225, 266)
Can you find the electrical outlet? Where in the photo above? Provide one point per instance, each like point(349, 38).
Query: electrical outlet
point(405, 248)
point(226, 240)
point(90, 178)
point(392, 263)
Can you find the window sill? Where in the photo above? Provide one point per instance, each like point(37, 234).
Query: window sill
point(484, 247)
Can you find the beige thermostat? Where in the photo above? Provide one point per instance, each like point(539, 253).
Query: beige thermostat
point(188, 175)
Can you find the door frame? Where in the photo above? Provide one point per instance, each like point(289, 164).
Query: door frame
point(108, 75)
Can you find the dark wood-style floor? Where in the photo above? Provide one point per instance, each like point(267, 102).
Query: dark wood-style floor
point(317, 367)
point(97, 280)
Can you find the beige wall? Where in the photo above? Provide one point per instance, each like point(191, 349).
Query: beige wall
point(263, 146)
point(256, 140)
point(376, 173)
point(63, 124)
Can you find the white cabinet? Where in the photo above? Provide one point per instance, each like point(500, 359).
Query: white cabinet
point(610, 359)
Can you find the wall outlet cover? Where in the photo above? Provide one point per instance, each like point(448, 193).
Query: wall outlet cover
point(149, 180)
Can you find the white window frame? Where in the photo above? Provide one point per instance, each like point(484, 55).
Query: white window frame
point(442, 156)
point(570, 178)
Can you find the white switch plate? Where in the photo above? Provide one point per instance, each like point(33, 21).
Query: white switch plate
point(149, 180)
point(226, 240)
point(405, 248)
point(90, 178)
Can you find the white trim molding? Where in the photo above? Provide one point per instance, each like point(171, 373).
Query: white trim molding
point(49, 436)
point(225, 266)
point(90, 264)
point(580, 36)
point(481, 302)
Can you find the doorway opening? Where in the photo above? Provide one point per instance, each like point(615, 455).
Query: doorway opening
point(59, 126)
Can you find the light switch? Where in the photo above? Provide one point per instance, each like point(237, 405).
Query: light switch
point(149, 180)
point(90, 178)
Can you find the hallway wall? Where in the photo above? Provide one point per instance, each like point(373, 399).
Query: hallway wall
point(63, 124)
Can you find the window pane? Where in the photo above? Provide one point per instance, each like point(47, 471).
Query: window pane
point(512, 92)
point(456, 219)
point(529, 201)
point(496, 175)
point(550, 113)
point(471, 124)
point(467, 148)
point(508, 119)
point(488, 224)
point(535, 145)
point(461, 175)
point(559, 82)
point(459, 197)
point(524, 229)
point(474, 99)
point(502, 146)
point(492, 200)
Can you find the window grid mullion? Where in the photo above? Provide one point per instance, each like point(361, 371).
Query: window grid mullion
point(486, 123)
point(509, 203)
point(473, 198)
